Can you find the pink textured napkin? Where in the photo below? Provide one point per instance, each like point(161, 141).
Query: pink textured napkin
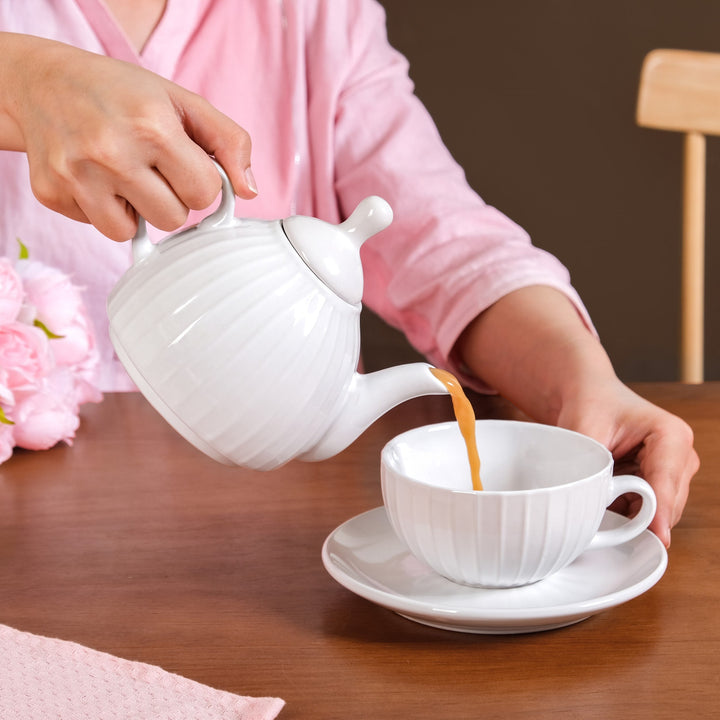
point(47, 679)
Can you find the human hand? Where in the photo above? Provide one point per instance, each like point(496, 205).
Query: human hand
point(106, 140)
point(644, 440)
point(533, 348)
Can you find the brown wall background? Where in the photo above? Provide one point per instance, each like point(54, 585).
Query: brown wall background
point(536, 99)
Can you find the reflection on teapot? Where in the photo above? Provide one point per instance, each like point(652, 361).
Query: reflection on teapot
point(245, 334)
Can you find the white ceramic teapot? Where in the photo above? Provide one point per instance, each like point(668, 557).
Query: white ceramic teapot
point(245, 334)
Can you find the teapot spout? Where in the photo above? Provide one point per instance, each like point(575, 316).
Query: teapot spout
point(368, 397)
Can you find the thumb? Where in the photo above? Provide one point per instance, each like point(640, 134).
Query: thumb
point(220, 136)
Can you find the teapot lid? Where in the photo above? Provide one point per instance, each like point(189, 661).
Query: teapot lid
point(332, 252)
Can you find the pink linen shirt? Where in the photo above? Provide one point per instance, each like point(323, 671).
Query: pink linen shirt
point(333, 118)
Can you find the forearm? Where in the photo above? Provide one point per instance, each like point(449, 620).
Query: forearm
point(533, 348)
point(18, 54)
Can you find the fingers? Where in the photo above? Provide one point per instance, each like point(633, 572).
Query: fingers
point(188, 172)
point(114, 210)
point(109, 191)
point(668, 462)
point(647, 441)
point(111, 201)
point(116, 219)
point(218, 135)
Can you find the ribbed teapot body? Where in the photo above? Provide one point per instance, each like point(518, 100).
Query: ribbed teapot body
point(239, 346)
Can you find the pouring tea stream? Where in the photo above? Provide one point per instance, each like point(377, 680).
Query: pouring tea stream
point(245, 334)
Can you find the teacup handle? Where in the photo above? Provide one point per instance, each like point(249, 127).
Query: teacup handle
point(224, 215)
point(622, 484)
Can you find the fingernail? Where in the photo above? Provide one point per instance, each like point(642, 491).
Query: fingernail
point(250, 180)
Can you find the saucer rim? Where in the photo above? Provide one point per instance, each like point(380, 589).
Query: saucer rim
point(492, 620)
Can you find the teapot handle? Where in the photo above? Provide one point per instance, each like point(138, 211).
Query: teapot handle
point(141, 245)
point(224, 215)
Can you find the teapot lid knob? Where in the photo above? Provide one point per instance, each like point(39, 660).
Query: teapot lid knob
point(371, 216)
point(332, 252)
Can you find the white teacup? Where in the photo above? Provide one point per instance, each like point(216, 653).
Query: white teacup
point(545, 493)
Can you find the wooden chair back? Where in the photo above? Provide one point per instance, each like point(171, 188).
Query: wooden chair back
point(680, 91)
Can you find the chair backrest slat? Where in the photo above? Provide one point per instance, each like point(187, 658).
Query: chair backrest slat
point(680, 90)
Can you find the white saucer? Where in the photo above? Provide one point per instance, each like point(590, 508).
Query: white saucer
point(365, 556)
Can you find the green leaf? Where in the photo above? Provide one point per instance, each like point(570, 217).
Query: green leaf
point(4, 418)
point(24, 252)
point(40, 324)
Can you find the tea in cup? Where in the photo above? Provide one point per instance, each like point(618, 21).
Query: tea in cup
point(546, 490)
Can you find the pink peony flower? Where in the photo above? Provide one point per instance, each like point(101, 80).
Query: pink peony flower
point(48, 357)
point(56, 300)
point(7, 442)
point(11, 292)
point(43, 419)
point(7, 399)
point(76, 344)
point(24, 355)
point(71, 385)
point(58, 306)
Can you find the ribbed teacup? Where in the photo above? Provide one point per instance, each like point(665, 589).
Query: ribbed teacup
point(546, 490)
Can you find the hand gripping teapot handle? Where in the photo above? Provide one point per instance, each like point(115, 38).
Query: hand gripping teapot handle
point(224, 215)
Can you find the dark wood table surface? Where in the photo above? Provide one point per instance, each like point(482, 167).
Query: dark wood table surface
point(134, 543)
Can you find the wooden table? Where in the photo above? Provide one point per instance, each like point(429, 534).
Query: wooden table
point(134, 543)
